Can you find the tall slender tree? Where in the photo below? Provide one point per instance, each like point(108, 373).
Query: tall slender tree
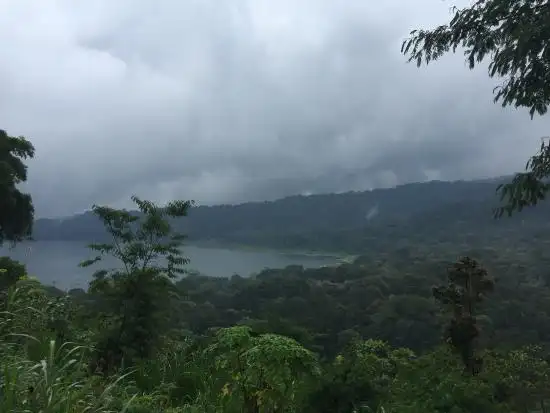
point(468, 283)
point(134, 298)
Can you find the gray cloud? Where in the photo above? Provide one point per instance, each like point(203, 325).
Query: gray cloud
point(241, 100)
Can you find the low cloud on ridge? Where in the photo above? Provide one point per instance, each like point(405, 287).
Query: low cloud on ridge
point(241, 100)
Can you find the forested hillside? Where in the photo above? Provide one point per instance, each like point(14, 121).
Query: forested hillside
point(422, 213)
point(445, 310)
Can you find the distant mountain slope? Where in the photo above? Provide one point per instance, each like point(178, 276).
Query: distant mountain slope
point(350, 221)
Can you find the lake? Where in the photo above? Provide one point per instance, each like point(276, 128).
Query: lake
point(56, 262)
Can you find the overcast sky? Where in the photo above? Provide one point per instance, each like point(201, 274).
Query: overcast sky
point(235, 100)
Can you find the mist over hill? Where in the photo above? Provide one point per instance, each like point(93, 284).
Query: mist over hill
point(432, 212)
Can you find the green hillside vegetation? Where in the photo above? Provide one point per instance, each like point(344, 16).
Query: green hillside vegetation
point(430, 214)
point(445, 310)
point(364, 336)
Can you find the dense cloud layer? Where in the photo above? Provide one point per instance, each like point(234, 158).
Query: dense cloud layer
point(225, 101)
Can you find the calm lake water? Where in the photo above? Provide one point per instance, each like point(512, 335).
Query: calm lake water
point(56, 263)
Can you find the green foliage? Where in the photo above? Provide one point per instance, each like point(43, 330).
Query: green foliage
point(136, 297)
point(11, 272)
point(434, 383)
point(262, 373)
point(139, 249)
point(16, 208)
point(55, 384)
point(361, 377)
point(522, 377)
point(239, 369)
point(527, 189)
point(28, 309)
point(39, 374)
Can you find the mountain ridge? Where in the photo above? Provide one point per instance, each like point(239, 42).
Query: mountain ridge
point(435, 211)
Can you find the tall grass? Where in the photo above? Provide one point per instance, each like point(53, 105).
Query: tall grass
point(55, 384)
point(39, 375)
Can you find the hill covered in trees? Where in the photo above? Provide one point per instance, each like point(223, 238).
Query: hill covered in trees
point(433, 212)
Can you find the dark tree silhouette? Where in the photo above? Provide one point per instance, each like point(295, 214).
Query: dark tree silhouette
point(468, 283)
point(16, 208)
